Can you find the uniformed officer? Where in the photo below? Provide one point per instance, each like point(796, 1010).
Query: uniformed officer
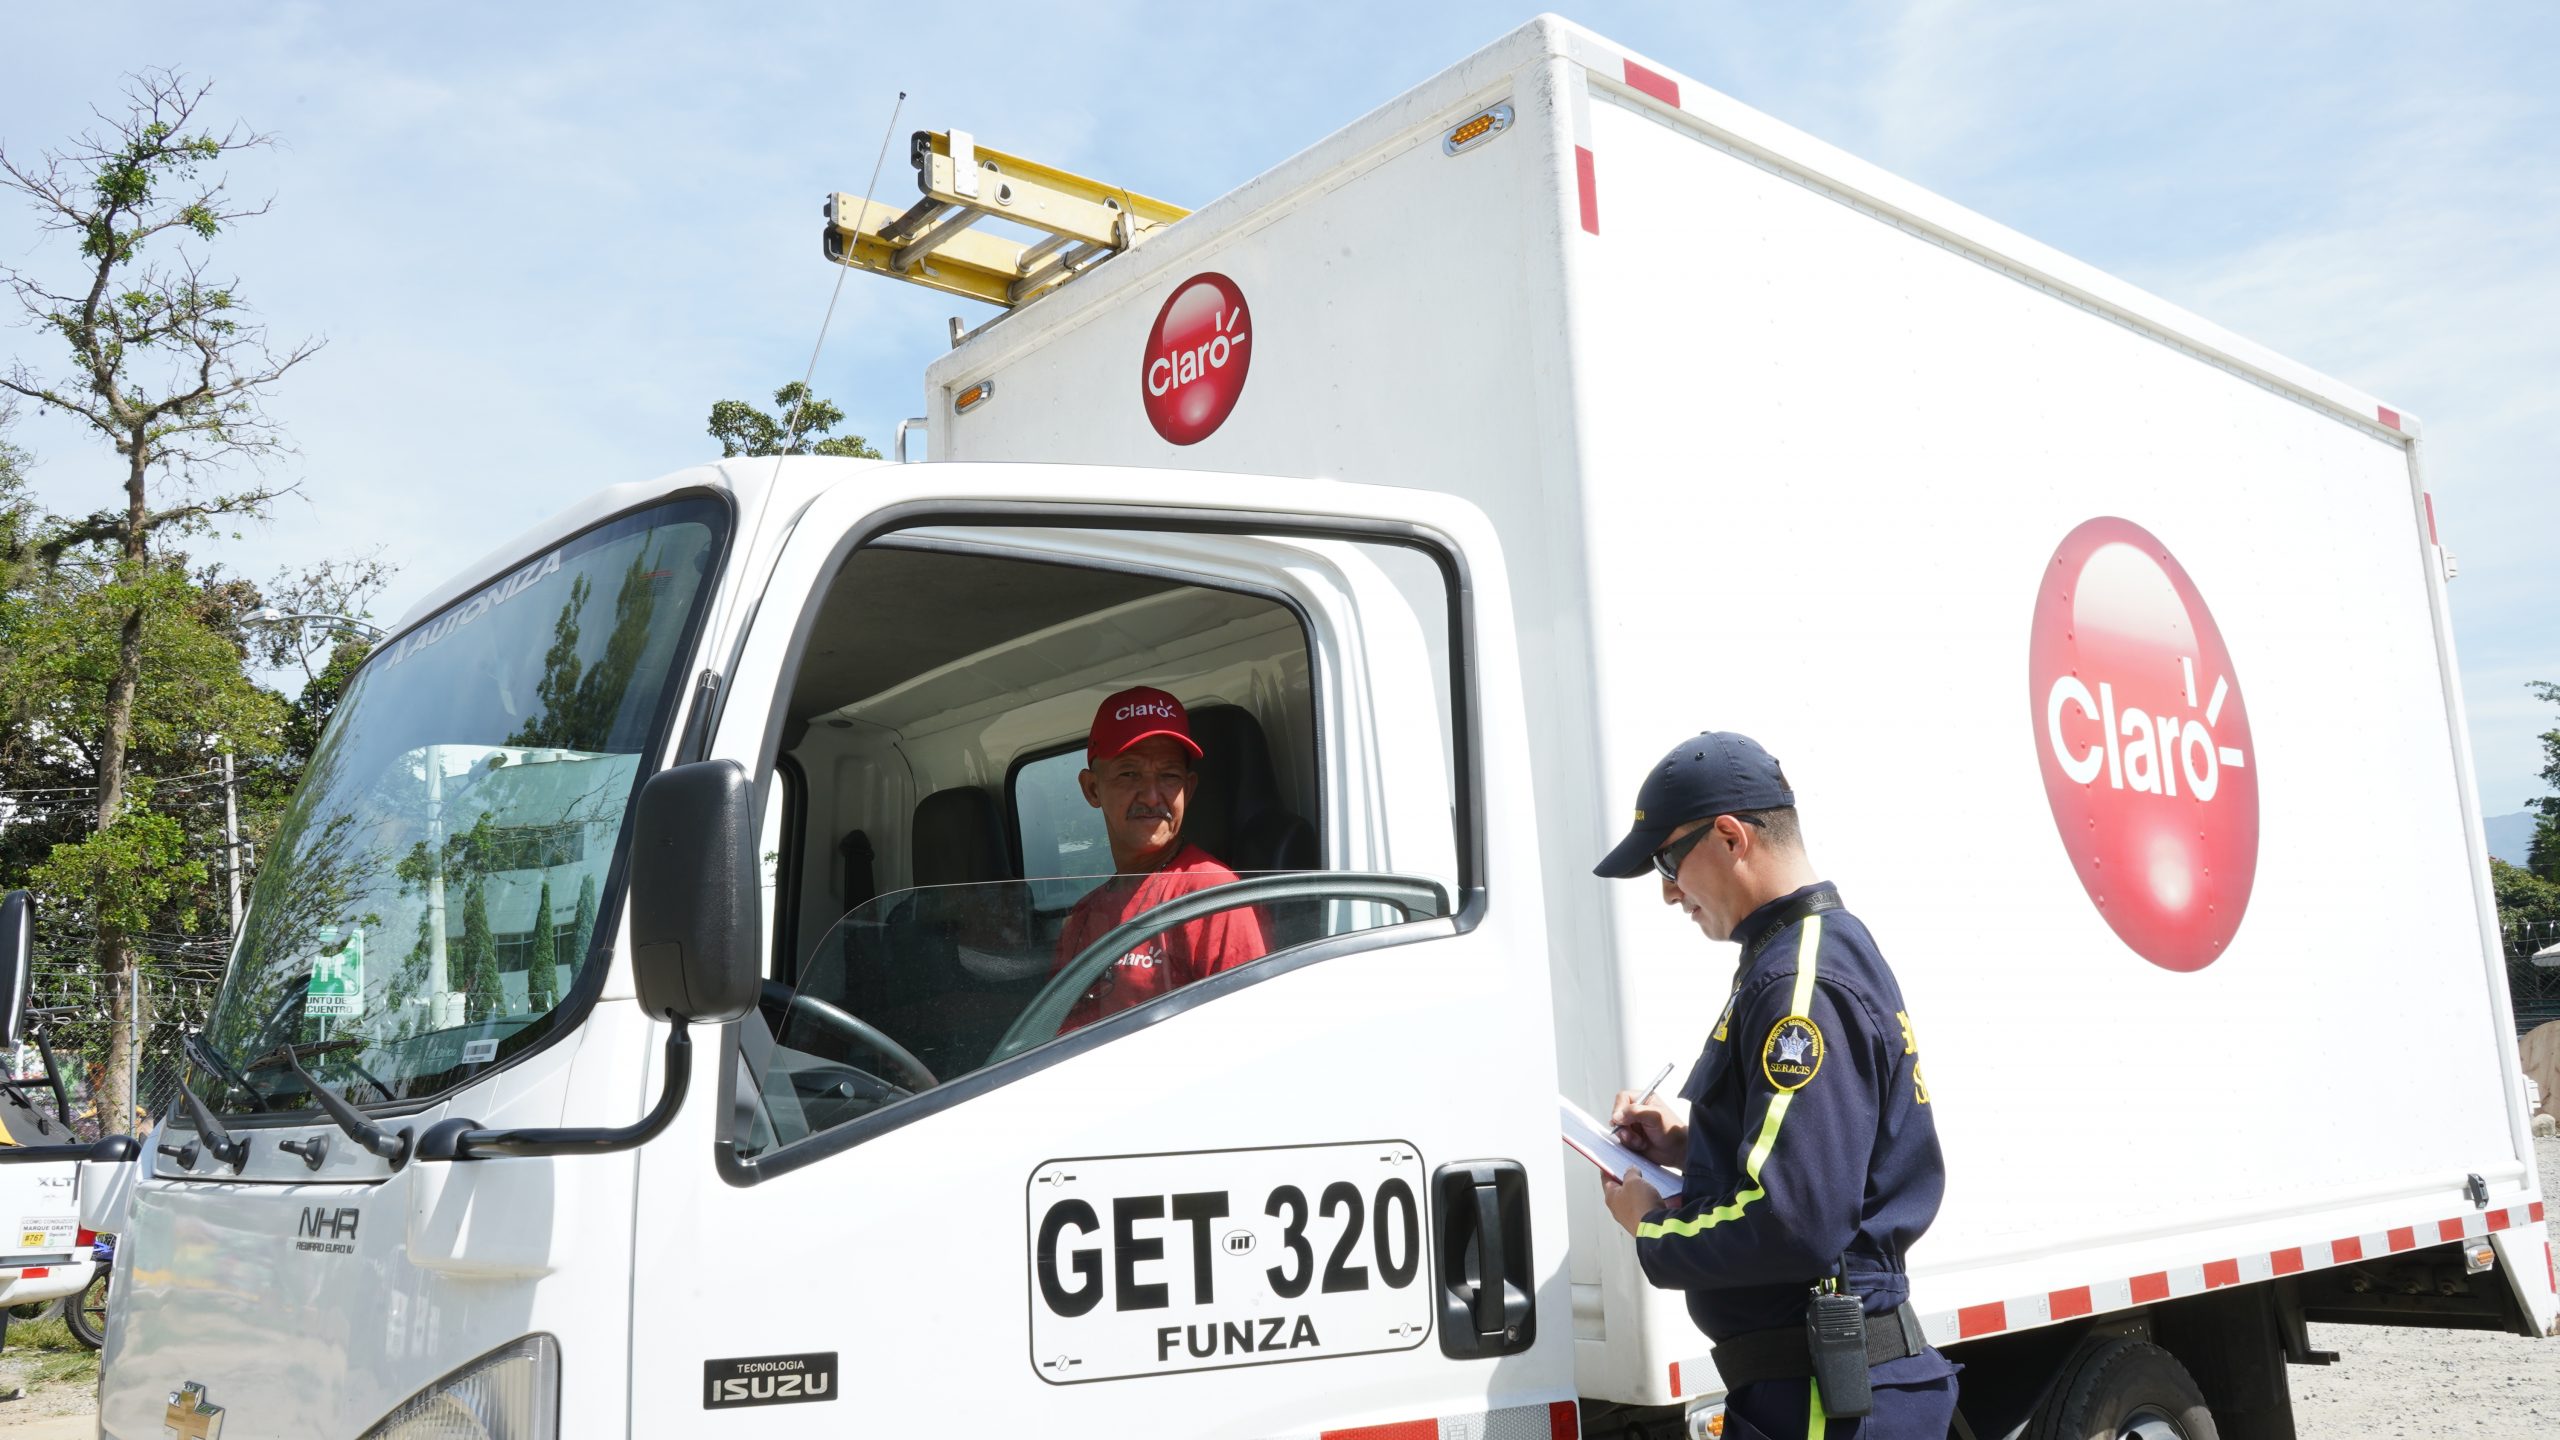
point(1809, 1158)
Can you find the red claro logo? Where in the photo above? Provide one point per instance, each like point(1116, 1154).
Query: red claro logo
point(1196, 358)
point(2144, 740)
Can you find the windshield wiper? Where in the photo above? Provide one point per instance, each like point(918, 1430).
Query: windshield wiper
point(211, 1059)
point(231, 1152)
point(343, 1042)
point(27, 1103)
point(394, 1148)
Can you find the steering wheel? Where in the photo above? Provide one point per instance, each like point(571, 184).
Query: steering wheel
point(1415, 897)
point(848, 1026)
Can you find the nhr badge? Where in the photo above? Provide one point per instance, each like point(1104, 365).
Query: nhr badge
point(1793, 1053)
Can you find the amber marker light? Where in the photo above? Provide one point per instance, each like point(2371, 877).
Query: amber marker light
point(1471, 133)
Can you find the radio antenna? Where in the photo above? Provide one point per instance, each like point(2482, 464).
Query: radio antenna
point(791, 421)
point(791, 424)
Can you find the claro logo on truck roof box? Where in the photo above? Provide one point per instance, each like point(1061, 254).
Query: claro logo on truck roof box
point(2144, 742)
point(1193, 371)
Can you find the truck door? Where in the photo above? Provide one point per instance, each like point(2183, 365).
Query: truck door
point(1269, 1156)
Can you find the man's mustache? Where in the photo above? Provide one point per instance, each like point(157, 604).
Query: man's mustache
point(1150, 812)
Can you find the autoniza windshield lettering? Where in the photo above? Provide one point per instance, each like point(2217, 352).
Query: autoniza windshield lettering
point(449, 869)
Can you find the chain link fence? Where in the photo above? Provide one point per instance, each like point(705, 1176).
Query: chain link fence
point(2535, 988)
point(72, 1015)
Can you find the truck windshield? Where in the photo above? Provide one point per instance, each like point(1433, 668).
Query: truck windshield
point(447, 871)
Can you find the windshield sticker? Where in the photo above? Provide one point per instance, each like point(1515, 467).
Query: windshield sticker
point(337, 976)
point(1160, 1264)
point(478, 605)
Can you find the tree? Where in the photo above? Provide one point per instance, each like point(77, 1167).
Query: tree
point(582, 931)
point(165, 366)
point(742, 429)
point(541, 973)
point(2542, 857)
point(315, 605)
point(481, 997)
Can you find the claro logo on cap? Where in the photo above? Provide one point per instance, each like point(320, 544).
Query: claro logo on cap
point(1197, 354)
point(2144, 741)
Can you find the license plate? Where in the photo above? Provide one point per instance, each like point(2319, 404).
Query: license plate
point(1211, 1259)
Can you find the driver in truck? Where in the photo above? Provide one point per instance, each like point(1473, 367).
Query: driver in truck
point(1138, 773)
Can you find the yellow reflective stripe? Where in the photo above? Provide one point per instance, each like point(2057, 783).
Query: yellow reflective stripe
point(1815, 1422)
point(1807, 944)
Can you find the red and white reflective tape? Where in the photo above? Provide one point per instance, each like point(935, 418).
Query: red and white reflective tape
point(1946, 1327)
point(1557, 1420)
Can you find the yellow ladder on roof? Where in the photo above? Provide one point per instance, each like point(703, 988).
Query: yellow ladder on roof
point(931, 243)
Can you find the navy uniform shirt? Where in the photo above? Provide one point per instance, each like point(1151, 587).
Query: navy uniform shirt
point(1810, 1136)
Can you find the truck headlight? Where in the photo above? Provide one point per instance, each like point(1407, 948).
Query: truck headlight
point(511, 1393)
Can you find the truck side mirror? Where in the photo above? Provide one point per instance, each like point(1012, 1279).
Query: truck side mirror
point(696, 897)
point(17, 959)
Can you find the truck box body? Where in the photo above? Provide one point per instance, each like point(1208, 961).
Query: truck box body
point(2208, 989)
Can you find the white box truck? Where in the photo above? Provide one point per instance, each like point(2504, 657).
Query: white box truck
point(710, 1064)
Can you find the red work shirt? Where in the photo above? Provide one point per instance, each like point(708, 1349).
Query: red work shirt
point(1169, 959)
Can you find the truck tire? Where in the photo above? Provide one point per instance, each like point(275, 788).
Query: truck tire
point(2122, 1389)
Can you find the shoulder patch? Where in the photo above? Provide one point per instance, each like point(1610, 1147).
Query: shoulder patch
point(1792, 1055)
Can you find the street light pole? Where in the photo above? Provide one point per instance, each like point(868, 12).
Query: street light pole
point(231, 835)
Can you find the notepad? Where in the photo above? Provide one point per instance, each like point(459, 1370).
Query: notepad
point(1595, 1142)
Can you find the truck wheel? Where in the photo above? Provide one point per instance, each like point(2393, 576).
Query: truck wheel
point(2120, 1389)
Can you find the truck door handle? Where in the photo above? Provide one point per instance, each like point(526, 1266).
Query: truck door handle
point(1482, 1263)
point(1490, 1271)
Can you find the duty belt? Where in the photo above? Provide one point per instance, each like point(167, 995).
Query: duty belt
point(1781, 1354)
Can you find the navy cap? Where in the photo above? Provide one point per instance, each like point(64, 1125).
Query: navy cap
point(1715, 772)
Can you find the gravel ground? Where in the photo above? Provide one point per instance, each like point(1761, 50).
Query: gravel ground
point(2423, 1383)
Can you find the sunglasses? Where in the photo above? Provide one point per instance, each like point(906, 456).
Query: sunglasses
point(1668, 860)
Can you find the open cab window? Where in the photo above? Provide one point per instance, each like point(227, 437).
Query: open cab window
point(947, 878)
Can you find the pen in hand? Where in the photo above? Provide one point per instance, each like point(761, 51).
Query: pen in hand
point(1629, 1135)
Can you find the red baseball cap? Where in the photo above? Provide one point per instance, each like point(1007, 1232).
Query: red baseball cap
point(1136, 714)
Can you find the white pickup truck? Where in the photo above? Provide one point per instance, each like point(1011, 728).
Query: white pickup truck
point(700, 1071)
point(44, 1251)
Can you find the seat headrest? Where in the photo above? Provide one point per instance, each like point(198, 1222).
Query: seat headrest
point(958, 839)
point(1236, 781)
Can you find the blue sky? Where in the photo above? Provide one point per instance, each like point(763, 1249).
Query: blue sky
point(540, 239)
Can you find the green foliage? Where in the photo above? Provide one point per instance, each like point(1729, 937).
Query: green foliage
point(2528, 907)
point(481, 997)
point(581, 704)
point(309, 713)
point(2543, 855)
point(742, 429)
point(541, 975)
point(583, 929)
point(130, 873)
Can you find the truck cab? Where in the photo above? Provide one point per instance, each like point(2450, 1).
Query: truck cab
point(1333, 1153)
